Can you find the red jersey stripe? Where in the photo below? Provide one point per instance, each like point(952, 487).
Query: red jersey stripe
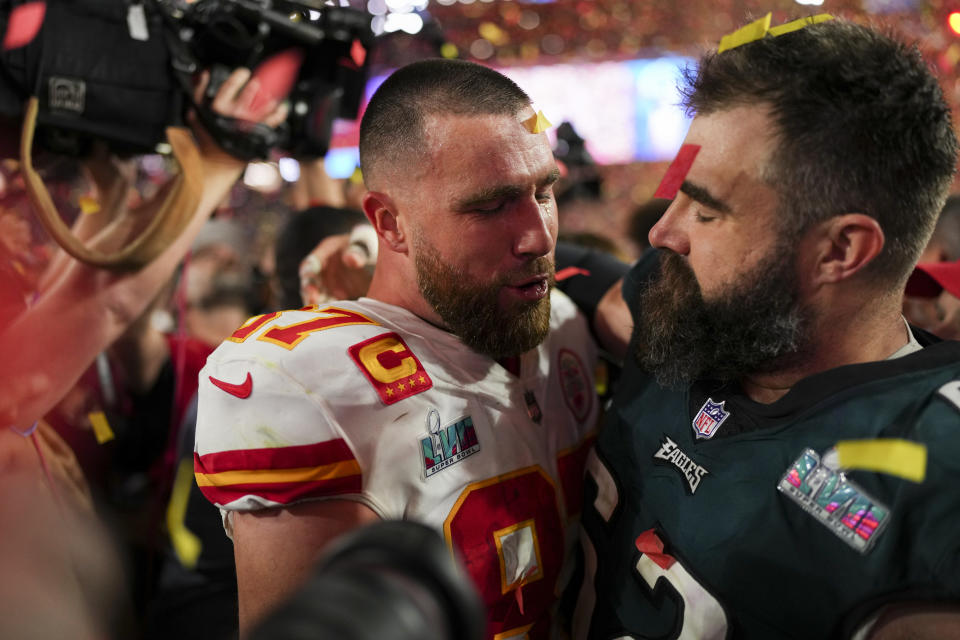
point(307, 455)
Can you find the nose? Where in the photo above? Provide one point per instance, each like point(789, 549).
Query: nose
point(536, 229)
point(668, 232)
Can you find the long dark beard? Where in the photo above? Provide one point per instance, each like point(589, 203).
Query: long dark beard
point(471, 310)
point(753, 326)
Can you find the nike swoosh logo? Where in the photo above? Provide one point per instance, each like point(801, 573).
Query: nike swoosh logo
point(242, 390)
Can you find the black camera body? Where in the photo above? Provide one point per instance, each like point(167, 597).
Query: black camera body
point(121, 71)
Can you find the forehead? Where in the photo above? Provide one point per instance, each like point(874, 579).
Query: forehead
point(736, 146)
point(472, 151)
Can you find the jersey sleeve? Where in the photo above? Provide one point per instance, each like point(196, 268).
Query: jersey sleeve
point(264, 440)
point(935, 502)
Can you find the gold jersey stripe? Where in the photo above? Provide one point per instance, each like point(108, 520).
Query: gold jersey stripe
point(276, 476)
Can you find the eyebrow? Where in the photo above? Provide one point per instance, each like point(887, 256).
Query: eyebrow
point(703, 196)
point(507, 191)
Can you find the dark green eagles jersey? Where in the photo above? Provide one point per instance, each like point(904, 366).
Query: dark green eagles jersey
point(709, 515)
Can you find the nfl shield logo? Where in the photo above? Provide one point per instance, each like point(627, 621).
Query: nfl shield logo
point(709, 418)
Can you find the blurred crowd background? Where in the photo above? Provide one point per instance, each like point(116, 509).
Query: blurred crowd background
point(602, 71)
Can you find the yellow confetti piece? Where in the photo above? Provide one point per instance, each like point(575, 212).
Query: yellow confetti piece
point(449, 50)
point(537, 123)
point(101, 427)
point(901, 458)
point(952, 54)
point(760, 28)
point(356, 177)
point(796, 25)
point(748, 33)
point(88, 204)
point(185, 543)
point(492, 33)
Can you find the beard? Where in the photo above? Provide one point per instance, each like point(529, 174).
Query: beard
point(470, 309)
point(754, 325)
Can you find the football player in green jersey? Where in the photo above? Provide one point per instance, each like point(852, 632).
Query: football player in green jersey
point(782, 457)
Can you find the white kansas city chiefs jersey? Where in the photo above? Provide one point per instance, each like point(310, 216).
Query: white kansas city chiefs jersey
point(365, 401)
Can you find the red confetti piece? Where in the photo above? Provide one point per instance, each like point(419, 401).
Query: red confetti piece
point(276, 76)
point(650, 545)
point(569, 272)
point(358, 53)
point(24, 25)
point(677, 172)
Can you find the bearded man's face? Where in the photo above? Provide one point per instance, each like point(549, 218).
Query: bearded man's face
point(473, 311)
point(753, 325)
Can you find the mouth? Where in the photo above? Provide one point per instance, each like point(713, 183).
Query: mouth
point(532, 288)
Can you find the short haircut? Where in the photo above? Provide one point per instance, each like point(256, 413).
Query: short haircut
point(393, 125)
point(862, 127)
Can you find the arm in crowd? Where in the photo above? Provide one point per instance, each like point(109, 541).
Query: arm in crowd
point(84, 309)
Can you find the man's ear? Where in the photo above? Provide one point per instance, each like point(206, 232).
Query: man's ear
point(845, 245)
point(382, 214)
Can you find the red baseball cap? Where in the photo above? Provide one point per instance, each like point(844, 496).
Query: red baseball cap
point(930, 278)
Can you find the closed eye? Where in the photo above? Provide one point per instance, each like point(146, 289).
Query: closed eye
point(700, 217)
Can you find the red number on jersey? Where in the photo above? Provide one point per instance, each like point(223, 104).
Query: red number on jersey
point(509, 533)
point(291, 335)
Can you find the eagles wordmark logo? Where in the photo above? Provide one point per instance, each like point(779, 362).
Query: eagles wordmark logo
point(671, 454)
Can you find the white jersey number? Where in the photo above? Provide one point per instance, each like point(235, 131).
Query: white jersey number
point(702, 616)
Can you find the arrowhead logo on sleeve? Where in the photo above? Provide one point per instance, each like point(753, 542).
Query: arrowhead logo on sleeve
point(390, 366)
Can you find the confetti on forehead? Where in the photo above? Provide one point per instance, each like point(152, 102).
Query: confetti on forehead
point(760, 28)
point(537, 123)
point(677, 172)
point(24, 24)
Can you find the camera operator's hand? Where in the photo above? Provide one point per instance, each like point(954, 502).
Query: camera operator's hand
point(948, 324)
point(240, 97)
point(84, 309)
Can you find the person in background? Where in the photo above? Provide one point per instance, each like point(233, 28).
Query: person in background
point(19, 277)
point(458, 393)
point(931, 300)
point(300, 252)
point(642, 220)
point(79, 312)
point(780, 459)
point(936, 284)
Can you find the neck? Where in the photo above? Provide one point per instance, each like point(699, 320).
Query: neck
point(868, 335)
point(393, 285)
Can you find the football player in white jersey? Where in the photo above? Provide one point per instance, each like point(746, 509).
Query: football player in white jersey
point(458, 393)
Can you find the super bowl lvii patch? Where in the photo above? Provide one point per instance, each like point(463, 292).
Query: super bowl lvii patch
point(837, 502)
point(446, 446)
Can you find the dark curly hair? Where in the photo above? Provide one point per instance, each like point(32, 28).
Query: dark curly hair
point(862, 127)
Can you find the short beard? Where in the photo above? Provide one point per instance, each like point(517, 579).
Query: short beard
point(754, 325)
point(471, 310)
